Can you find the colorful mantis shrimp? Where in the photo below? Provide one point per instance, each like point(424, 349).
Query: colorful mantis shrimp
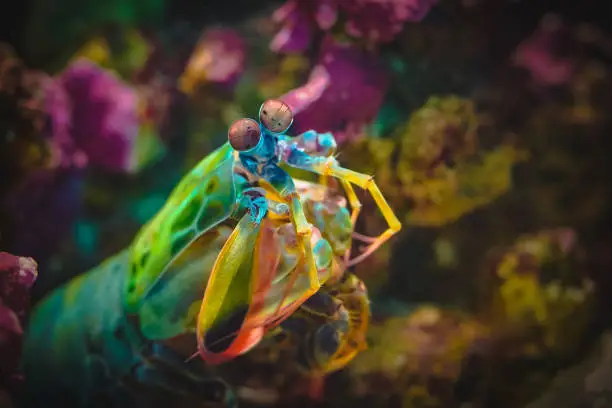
point(74, 342)
point(146, 287)
point(241, 180)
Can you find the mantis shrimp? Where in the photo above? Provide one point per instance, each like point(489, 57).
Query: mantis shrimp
point(243, 179)
point(73, 342)
point(144, 290)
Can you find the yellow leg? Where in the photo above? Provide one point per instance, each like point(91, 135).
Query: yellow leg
point(304, 233)
point(355, 210)
point(366, 182)
point(353, 201)
point(303, 230)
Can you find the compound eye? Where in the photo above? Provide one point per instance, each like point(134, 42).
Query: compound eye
point(244, 134)
point(275, 115)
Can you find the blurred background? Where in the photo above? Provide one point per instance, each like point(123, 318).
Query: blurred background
point(485, 123)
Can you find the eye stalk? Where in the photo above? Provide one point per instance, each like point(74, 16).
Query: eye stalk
point(244, 134)
point(275, 115)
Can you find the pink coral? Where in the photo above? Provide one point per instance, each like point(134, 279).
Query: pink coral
point(17, 275)
point(343, 94)
point(374, 20)
point(538, 54)
point(219, 58)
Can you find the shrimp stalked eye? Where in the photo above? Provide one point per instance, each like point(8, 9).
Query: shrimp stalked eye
point(275, 115)
point(244, 134)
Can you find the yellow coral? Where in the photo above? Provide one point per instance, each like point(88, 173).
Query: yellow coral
point(96, 50)
point(130, 59)
point(551, 306)
point(522, 299)
point(439, 168)
point(438, 175)
point(442, 124)
point(450, 193)
point(430, 342)
point(134, 55)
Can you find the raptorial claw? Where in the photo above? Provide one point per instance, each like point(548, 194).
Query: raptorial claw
point(256, 203)
point(258, 208)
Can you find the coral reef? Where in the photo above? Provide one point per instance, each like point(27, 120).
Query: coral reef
point(343, 94)
point(375, 21)
point(585, 384)
point(104, 115)
point(416, 358)
point(541, 285)
point(17, 275)
point(62, 125)
point(437, 163)
point(537, 54)
point(40, 159)
point(218, 58)
point(24, 146)
point(485, 126)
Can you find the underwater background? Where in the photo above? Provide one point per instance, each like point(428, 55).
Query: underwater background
point(485, 123)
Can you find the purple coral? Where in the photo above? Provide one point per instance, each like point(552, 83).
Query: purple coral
point(58, 107)
point(343, 94)
point(374, 20)
point(299, 20)
point(87, 116)
point(105, 120)
point(17, 275)
point(382, 20)
point(40, 159)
